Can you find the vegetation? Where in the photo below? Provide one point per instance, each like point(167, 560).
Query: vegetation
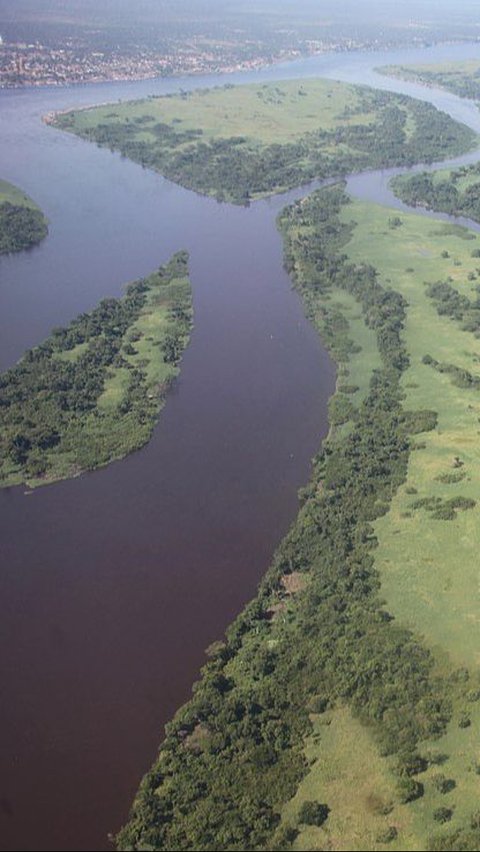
point(453, 191)
point(237, 764)
point(92, 391)
point(238, 143)
point(22, 223)
point(419, 555)
point(461, 78)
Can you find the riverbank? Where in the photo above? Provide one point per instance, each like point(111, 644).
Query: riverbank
point(22, 223)
point(91, 393)
point(319, 637)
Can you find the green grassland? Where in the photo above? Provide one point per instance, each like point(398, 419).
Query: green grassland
point(22, 223)
point(347, 771)
point(461, 78)
point(92, 392)
point(429, 567)
point(243, 142)
point(453, 191)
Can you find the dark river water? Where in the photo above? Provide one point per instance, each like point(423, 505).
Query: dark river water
point(113, 584)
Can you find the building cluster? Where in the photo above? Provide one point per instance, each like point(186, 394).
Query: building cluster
point(38, 65)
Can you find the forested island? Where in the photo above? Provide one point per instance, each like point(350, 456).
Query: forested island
point(238, 143)
point(22, 223)
point(342, 709)
point(453, 191)
point(92, 391)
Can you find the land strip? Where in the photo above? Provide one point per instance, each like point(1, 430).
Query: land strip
point(244, 142)
point(92, 391)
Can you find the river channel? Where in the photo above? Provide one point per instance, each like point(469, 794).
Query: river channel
point(112, 584)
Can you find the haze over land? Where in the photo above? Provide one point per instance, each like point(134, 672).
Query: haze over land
point(50, 41)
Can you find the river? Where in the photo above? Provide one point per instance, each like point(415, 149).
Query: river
point(112, 584)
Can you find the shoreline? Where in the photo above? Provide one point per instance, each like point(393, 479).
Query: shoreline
point(260, 64)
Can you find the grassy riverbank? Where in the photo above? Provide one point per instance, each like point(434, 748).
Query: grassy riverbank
point(92, 391)
point(22, 223)
point(341, 711)
point(242, 142)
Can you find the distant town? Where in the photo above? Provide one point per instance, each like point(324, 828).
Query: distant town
point(23, 64)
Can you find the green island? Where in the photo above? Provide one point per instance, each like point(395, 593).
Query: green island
point(342, 709)
point(238, 143)
point(92, 391)
point(22, 223)
point(453, 191)
point(461, 78)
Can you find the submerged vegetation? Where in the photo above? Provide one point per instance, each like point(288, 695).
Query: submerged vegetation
point(243, 142)
point(22, 223)
point(245, 764)
point(91, 392)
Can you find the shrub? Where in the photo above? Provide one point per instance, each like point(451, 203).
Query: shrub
point(443, 814)
point(313, 813)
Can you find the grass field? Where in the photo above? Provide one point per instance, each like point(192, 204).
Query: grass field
point(243, 142)
point(348, 774)
point(273, 112)
point(429, 567)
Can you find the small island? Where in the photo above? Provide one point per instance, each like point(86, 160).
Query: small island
point(22, 223)
point(238, 143)
point(92, 391)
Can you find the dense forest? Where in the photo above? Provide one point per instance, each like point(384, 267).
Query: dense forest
point(22, 223)
point(317, 635)
point(91, 392)
point(456, 192)
point(379, 129)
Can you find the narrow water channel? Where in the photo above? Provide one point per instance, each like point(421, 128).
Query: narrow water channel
point(112, 584)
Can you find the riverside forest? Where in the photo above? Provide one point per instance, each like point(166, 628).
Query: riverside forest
point(340, 706)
